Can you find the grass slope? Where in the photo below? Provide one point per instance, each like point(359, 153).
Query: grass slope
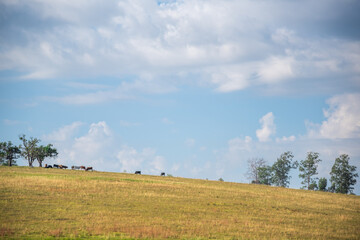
point(52, 203)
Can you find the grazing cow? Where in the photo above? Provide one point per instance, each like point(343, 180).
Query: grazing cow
point(56, 166)
point(75, 167)
point(62, 166)
point(82, 167)
point(162, 174)
point(137, 172)
point(89, 168)
point(48, 166)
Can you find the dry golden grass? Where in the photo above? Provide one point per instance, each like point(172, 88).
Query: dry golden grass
point(53, 203)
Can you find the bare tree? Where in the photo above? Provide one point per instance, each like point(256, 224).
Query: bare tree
point(253, 169)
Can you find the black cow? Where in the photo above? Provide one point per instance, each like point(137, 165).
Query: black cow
point(89, 168)
point(162, 174)
point(63, 166)
point(48, 166)
point(56, 166)
point(137, 172)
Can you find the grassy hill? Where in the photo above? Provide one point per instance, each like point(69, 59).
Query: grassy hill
point(53, 203)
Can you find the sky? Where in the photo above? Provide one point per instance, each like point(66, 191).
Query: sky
point(191, 88)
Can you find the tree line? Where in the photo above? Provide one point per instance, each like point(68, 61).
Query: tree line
point(342, 176)
point(29, 149)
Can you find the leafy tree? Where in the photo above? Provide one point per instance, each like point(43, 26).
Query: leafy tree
point(253, 168)
point(322, 184)
point(2, 153)
point(43, 152)
point(9, 153)
point(281, 169)
point(343, 175)
point(313, 186)
point(264, 174)
point(308, 169)
point(221, 180)
point(29, 149)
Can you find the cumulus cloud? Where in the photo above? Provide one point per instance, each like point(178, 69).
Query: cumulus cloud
point(98, 148)
point(64, 133)
point(342, 118)
point(146, 160)
point(91, 149)
point(229, 46)
point(267, 127)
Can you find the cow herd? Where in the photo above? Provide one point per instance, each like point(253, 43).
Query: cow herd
point(73, 167)
point(83, 168)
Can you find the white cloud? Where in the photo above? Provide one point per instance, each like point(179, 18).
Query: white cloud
point(237, 144)
point(146, 160)
point(64, 133)
point(276, 69)
point(130, 159)
point(98, 148)
point(342, 119)
point(229, 79)
point(291, 138)
point(267, 127)
point(95, 148)
point(228, 45)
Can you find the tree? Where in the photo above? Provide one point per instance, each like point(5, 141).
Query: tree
point(29, 149)
point(43, 152)
point(253, 168)
point(343, 175)
point(264, 175)
point(313, 186)
point(2, 153)
point(322, 184)
point(281, 169)
point(9, 153)
point(308, 169)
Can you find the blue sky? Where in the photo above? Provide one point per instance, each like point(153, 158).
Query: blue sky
point(192, 88)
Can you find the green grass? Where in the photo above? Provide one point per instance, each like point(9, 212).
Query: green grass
point(52, 203)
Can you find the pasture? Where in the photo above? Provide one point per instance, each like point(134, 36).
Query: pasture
point(68, 204)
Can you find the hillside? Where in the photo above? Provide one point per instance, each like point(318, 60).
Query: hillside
point(48, 203)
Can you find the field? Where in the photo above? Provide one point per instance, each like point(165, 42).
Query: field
point(67, 204)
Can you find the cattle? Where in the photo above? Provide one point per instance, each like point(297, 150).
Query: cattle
point(56, 166)
point(62, 167)
point(82, 167)
point(162, 174)
point(89, 168)
point(48, 166)
point(75, 167)
point(137, 172)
